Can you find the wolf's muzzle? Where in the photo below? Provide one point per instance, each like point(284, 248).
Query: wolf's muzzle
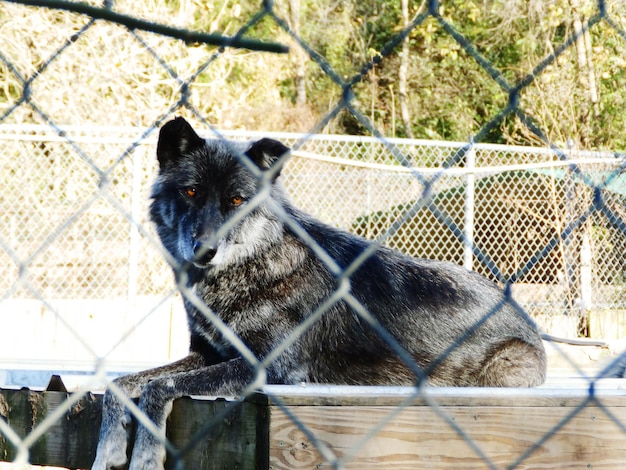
point(203, 254)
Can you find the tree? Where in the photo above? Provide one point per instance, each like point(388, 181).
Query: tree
point(402, 75)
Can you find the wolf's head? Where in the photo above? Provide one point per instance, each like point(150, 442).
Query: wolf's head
point(209, 201)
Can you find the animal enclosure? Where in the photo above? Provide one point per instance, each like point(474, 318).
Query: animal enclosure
point(512, 203)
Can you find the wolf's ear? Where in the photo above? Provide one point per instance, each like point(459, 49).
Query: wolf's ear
point(175, 139)
point(265, 152)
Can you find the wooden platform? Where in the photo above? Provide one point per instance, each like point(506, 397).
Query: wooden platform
point(563, 424)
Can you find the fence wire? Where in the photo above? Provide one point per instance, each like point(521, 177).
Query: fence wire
point(549, 226)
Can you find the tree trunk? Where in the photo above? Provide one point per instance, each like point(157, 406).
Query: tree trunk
point(402, 75)
point(299, 55)
point(586, 76)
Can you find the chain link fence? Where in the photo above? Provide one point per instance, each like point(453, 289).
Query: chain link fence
point(76, 246)
point(515, 210)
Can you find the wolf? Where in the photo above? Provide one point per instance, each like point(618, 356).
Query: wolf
point(253, 269)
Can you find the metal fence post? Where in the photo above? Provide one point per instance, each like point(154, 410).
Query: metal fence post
point(135, 212)
point(468, 225)
point(586, 259)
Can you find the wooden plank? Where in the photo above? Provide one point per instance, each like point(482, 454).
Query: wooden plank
point(562, 392)
point(418, 438)
point(503, 423)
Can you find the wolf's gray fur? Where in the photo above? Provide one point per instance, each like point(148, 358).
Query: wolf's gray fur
point(239, 260)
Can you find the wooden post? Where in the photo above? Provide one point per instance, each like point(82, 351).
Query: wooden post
point(69, 442)
point(238, 438)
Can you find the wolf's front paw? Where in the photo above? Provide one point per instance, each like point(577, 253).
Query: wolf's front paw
point(145, 461)
point(111, 453)
point(148, 451)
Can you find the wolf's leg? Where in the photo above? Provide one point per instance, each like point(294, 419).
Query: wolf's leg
point(226, 378)
point(514, 363)
point(111, 452)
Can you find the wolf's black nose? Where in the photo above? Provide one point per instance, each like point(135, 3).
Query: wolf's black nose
point(203, 253)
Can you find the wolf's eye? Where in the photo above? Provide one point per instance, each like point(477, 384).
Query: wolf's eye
point(190, 192)
point(236, 200)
